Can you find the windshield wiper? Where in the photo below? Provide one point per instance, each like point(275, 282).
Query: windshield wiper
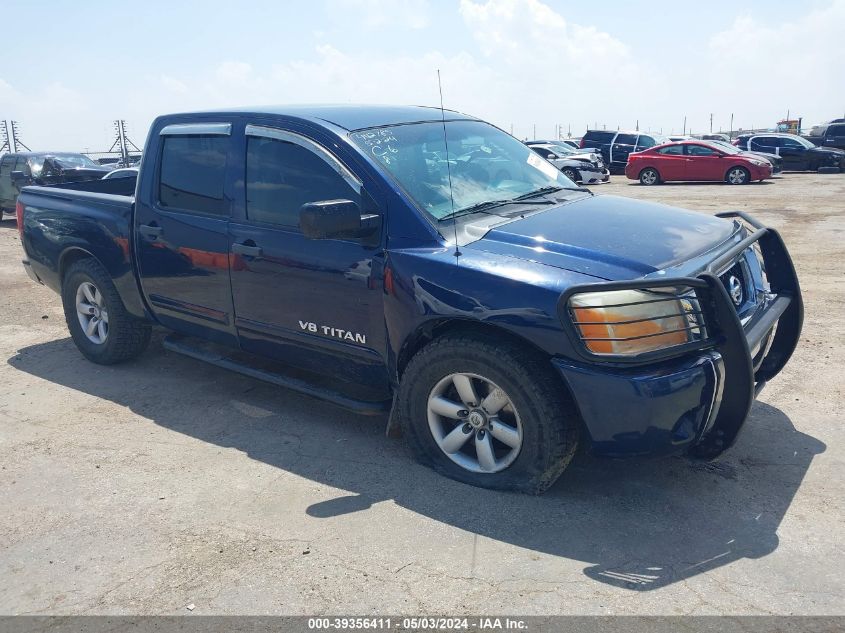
point(482, 207)
point(552, 189)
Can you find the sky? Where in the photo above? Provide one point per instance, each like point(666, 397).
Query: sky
point(520, 64)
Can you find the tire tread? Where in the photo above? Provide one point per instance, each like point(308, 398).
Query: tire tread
point(559, 435)
point(129, 336)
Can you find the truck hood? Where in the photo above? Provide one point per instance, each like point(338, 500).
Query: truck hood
point(608, 237)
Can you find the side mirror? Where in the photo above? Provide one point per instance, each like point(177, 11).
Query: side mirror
point(329, 219)
point(20, 178)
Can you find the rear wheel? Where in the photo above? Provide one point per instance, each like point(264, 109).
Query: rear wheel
point(649, 176)
point(738, 176)
point(98, 322)
point(488, 413)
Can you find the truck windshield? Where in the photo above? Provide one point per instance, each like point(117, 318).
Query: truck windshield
point(486, 165)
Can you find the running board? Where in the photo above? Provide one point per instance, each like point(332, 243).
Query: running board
point(275, 373)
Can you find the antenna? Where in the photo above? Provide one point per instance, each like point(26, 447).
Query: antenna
point(448, 164)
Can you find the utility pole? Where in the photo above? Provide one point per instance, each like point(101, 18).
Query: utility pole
point(15, 139)
point(4, 137)
point(711, 123)
point(685, 126)
point(535, 131)
point(122, 142)
point(638, 125)
point(731, 131)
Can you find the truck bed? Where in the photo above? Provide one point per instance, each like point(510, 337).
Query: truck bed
point(64, 222)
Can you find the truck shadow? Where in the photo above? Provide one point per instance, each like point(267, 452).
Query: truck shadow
point(638, 525)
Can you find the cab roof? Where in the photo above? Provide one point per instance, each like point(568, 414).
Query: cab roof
point(353, 117)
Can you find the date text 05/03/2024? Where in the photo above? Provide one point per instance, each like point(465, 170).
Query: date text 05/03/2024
point(418, 623)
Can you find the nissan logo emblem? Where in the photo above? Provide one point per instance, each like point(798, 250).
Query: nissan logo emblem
point(735, 288)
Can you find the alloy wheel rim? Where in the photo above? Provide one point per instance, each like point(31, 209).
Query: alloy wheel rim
point(474, 422)
point(737, 176)
point(91, 312)
point(649, 177)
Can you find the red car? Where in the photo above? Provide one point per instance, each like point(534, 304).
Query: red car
point(695, 160)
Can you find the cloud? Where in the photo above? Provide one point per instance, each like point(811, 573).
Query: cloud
point(174, 85)
point(514, 62)
point(796, 64)
point(376, 14)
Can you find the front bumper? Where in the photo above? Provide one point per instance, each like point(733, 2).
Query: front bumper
point(592, 176)
point(761, 172)
point(696, 400)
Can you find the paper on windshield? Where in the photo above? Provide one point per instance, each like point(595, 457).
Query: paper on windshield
point(539, 164)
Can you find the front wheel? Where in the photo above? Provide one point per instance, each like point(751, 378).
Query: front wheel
point(488, 413)
point(571, 174)
point(98, 322)
point(649, 176)
point(738, 176)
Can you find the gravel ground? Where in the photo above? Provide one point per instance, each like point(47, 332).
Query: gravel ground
point(147, 487)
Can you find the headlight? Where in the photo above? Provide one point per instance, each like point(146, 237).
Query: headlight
point(593, 158)
point(631, 322)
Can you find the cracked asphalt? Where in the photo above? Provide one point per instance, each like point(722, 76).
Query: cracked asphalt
point(150, 486)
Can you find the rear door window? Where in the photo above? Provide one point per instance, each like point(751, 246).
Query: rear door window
point(764, 144)
point(671, 150)
point(192, 172)
point(625, 139)
point(598, 136)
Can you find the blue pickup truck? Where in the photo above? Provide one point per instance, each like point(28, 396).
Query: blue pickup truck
point(425, 265)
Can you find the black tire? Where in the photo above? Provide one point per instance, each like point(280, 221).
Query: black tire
point(649, 177)
point(127, 337)
point(550, 422)
point(572, 174)
point(736, 169)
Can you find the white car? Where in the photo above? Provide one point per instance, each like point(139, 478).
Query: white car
point(123, 172)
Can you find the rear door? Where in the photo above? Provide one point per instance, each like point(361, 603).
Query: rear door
point(315, 304)
point(671, 162)
point(622, 146)
point(767, 144)
point(181, 230)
